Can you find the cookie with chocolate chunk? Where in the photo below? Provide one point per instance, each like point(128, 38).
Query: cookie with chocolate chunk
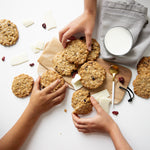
point(63, 66)
point(142, 85)
point(144, 65)
point(92, 74)
point(95, 50)
point(8, 33)
point(76, 52)
point(50, 76)
point(22, 85)
point(81, 102)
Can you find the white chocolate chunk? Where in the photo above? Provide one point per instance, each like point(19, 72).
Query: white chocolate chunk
point(40, 45)
point(101, 94)
point(19, 59)
point(49, 20)
point(37, 47)
point(27, 22)
point(76, 82)
point(105, 103)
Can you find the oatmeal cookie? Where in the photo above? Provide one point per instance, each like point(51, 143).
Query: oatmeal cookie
point(95, 50)
point(142, 85)
point(81, 102)
point(76, 52)
point(8, 33)
point(50, 76)
point(22, 85)
point(63, 66)
point(144, 65)
point(92, 75)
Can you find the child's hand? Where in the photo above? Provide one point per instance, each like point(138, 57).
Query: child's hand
point(84, 24)
point(102, 122)
point(42, 100)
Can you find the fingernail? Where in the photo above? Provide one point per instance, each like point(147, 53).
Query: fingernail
point(92, 98)
point(66, 85)
point(58, 80)
point(89, 48)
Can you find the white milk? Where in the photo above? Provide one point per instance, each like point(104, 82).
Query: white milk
point(118, 41)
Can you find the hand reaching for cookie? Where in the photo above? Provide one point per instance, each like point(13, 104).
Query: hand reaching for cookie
point(84, 24)
point(42, 100)
point(102, 122)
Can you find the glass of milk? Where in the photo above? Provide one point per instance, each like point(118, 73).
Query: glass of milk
point(118, 41)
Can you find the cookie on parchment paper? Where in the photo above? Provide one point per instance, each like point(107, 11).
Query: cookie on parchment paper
point(8, 33)
point(144, 65)
point(76, 52)
point(92, 74)
point(63, 66)
point(50, 76)
point(142, 85)
point(22, 85)
point(81, 102)
point(95, 50)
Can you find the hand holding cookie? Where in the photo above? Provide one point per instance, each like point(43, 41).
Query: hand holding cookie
point(42, 100)
point(102, 122)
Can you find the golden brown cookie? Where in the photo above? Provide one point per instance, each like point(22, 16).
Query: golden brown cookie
point(95, 50)
point(8, 33)
point(81, 102)
point(22, 85)
point(92, 75)
point(63, 66)
point(50, 76)
point(142, 85)
point(76, 52)
point(144, 65)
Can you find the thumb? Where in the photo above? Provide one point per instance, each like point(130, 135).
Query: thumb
point(37, 84)
point(96, 104)
point(88, 41)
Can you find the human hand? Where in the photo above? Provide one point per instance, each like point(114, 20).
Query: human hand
point(84, 24)
point(102, 122)
point(42, 100)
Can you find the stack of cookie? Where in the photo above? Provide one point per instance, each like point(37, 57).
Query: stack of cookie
point(76, 57)
point(142, 82)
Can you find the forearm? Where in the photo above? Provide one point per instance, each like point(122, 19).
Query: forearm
point(90, 6)
point(17, 135)
point(118, 139)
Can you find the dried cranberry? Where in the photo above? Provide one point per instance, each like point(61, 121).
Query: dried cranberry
point(121, 80)
point(85, 100)
point(3, 58)
point(44, 25)
point(74, 73)
point(32, 64)
point(92, 78)
point(115, 112)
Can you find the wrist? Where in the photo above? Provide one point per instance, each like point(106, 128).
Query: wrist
point(90, 12)
point(32, 111)
point(113, 129)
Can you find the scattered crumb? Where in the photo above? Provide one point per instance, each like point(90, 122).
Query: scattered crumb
point(65, 110)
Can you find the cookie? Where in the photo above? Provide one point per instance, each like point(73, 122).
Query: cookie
point(142, 85)
point(22, 85)
point(95, 50)
point(81, 102)
point(144, 65)
point(63, 66)
point(8, 33)
point(92, 74)
point(50, 76)
point(76, 52)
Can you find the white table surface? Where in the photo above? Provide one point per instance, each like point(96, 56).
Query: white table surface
point(55, 129)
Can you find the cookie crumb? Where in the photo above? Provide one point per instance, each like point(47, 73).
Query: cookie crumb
point(65, 110)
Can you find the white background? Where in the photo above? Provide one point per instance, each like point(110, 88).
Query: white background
point(55, 129)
